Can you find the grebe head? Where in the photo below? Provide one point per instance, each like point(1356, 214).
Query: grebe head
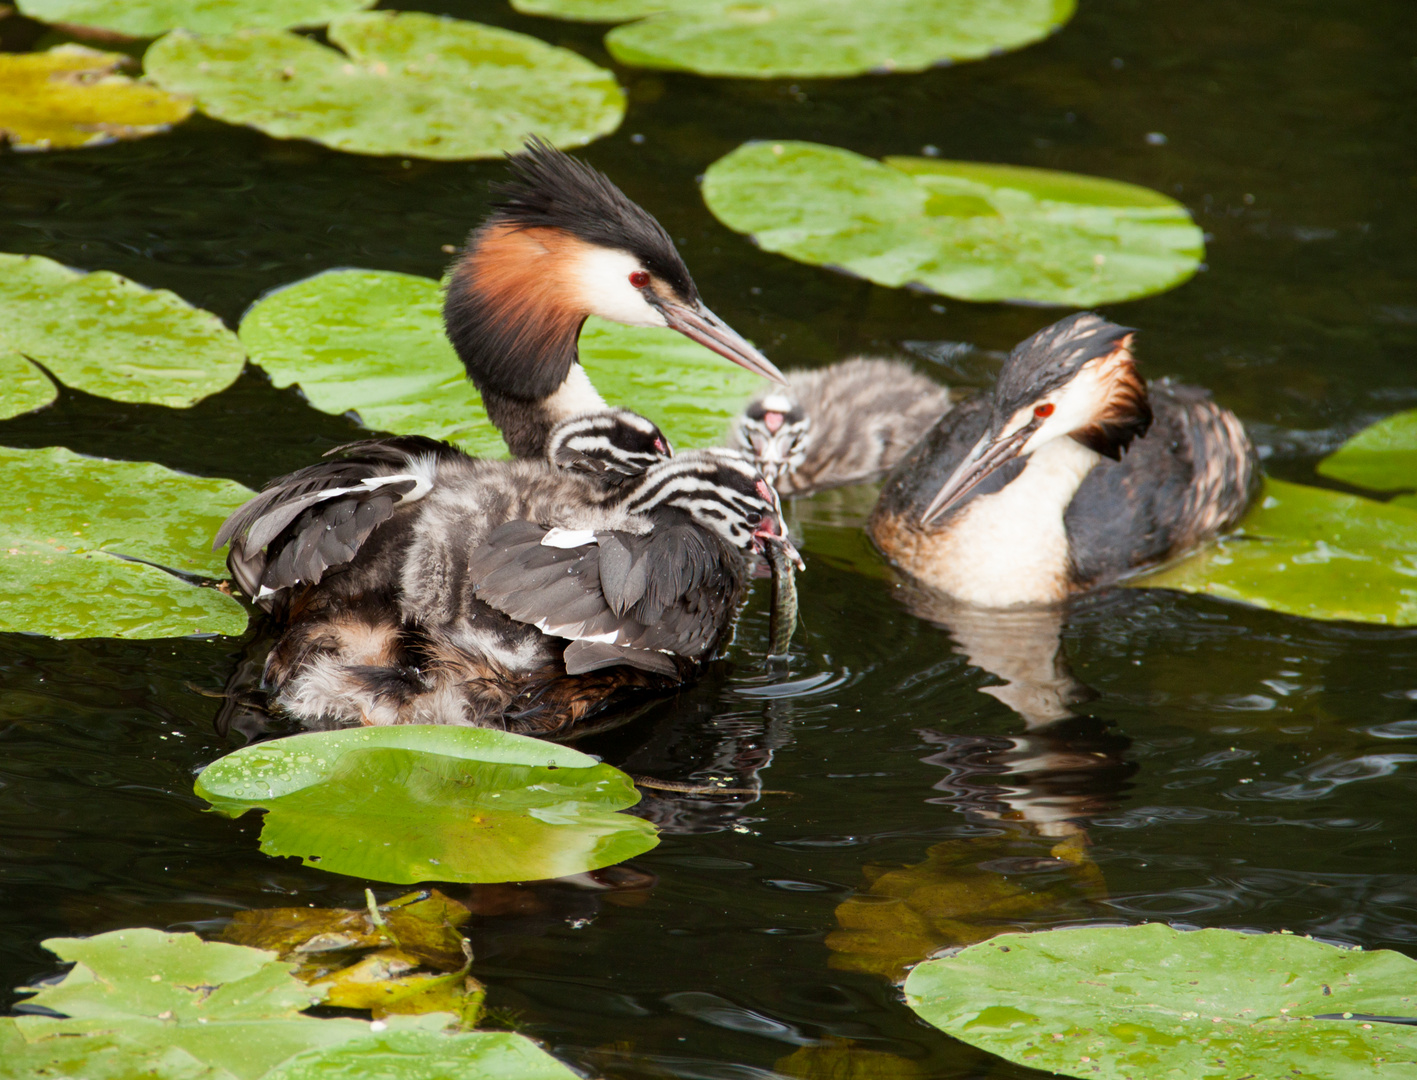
point(776, 431)
point(563, 243)
point(721, 490)
point(613, 444)
point(1075, 379)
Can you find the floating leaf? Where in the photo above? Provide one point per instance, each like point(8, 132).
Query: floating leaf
point(150, 18)
point(1311, 552)
point(71, 96)
point(173, 1007)
point(373, 342)
point(23, 387)
point(810, 38)
point(972, 231)
point(1123, 1003)
point(408, 84)
point(399, 958)
point(431, 803)
point(1382, 457)
point(70, 527)
point(106, 335)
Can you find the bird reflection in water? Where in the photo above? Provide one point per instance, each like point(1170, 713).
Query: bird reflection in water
point(1028, 866)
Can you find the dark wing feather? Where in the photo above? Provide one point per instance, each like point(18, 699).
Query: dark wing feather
point(922, 472)
point(637, 598)
point(1190, 478)
point(317, 519)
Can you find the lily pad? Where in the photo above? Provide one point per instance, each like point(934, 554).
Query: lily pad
point(106, 335)
point(1311, 552)
point(71, 528)
point(173, 1007)
point(431, 803)
point(151, 18)
point(406, 84)
point(810, 38)
point(71, 96)
point(372, 341)
point(959, 228)
point(23, 387)
point(1382, 457)
point(1127, 1003)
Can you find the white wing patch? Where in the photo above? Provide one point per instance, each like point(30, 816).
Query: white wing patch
point(568, 538)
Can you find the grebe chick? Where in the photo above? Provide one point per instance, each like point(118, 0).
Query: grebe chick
point(422, 585)
point(848, 423)
point(563, 243)
point(1071, 474)
point(612, 446)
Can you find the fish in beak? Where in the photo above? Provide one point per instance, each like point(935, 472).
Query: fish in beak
point(698, 323)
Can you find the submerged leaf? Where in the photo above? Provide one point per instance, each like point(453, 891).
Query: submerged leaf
point(372, 341)
point(71, 96)
point(968, 230)
point(406, 83)
point(1382, 457)
point(453, 804)
point(149, 18)
point(106, 335)
point(173, 1007)
point(71, 528)
point(23, 387)
point(810, 38)
point(1119, 1003)
point(1311, 552)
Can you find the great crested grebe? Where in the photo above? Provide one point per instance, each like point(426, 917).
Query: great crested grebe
point(563, 243)
point(1071, 474)
point(421, 585)
point(847, 423)
point(418, 584)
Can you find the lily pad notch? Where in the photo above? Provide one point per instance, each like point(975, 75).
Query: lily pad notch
point(405, 84)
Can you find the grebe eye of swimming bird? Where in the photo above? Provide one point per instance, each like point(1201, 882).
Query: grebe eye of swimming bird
point(1075, 380)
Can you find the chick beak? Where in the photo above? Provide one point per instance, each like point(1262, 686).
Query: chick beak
point(698, 323)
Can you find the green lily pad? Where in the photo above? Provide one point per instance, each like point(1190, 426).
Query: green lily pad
point(406, 84)
point(431, 803)
point(372, 341)
point(23, 387)
point(1382, 457)
point(962, 229)
point(810, 38)
point(71, 96)
point(150, 18)
point(1143, 1002)
point(70, 528)
point(1311, 552)
point(173, 1007)
point(106, 335)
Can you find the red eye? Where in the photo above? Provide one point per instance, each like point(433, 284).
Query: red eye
point(1043, 411)
point(639, 278)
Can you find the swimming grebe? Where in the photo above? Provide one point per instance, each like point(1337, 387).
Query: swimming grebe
point(422, 585)
point(848, 423)
point(1071, 474)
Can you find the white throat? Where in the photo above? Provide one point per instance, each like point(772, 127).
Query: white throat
point(1011, 548)
point(576, 395)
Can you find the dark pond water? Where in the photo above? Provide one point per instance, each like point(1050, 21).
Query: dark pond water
point(1224, 766)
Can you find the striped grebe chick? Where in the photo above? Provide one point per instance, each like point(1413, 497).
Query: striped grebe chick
point(1071, 474)
point(848, 423)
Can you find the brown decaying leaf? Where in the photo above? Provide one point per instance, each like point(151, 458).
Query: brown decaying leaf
point(410, 959)
point(72, 96)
